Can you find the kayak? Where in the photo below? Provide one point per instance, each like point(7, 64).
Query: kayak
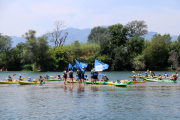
point(8, 82)
point(29, 83)
point(74, 81)
point(120, 84)
point(54, 79)
point(139, 81)
point(100, 82)
point(153, 80)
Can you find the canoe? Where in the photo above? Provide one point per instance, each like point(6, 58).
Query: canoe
point(8, 82)
point(139, 81)
point(28, 83)
point(120, 84)
point(153, 80)
point(54, 79)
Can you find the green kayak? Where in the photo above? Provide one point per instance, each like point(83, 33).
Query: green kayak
point(153, 80)
point(54, 79)
point(120, 84)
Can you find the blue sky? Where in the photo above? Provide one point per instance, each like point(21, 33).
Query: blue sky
point(18, 16)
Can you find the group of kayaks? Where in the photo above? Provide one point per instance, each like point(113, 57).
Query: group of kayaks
point(122, 83)
point(27, 82)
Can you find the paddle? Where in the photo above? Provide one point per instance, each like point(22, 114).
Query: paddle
point(133, 72)
point(23, 78)
point(14, 74)
point(51, 76)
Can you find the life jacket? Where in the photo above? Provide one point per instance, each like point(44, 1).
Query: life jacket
point(71, 73)
point(95, 73)
point(78, 72)
point(175, 78)
point(134, 79)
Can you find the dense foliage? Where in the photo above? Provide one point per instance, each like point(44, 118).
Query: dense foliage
point(122, 47)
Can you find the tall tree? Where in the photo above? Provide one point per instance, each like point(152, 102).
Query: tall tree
point(98, 34)
point(137, 28)
point(56, 35)
point(36, 49)
point(156, 54)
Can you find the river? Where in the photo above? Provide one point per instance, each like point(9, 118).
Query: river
point(53, 100)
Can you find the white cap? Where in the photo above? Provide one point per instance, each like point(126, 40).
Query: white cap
point(29, 77)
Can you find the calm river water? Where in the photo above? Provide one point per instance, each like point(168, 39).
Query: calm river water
point(52, 100)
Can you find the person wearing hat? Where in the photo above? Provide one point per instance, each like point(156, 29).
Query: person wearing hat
point(105, 79)
point(176, 74)
point(160, 77)
point(134, 78)
point(29, 79)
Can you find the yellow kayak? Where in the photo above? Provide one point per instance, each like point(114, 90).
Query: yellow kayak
point(8, 82)
point(27, 83)
point(139, 81)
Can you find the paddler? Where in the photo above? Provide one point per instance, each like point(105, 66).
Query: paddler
point(29, 79)
point(70, 75)
point(20, 79)
point(9, 78)
point(79, 75)
point(86, 78)
point(41, 79)
point(146, 74)
point(134, 78)
point(174, 77)
point(105, 79)
point(59, 77)
point(65, 76)
point(160, 77)
point(46, 77)
point(176, 74)
point(95, 76)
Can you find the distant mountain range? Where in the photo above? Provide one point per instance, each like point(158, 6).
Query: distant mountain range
point(78, 34)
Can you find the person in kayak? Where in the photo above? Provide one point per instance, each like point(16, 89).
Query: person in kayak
point(20, 79)
point(105, 79)
point(146, 74)
point(46, 77)
point(9, 78)
point(40, 78)
point(95, 76)
point(70, 75)
point(79, 75)
point(174, 77)
point(29, 79)
point(176, 74)
point(58, 77)
point(134, 78)
point(65, 76)
point(160, 77)
point(86, 78)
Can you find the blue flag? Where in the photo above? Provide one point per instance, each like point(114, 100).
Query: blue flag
point(100, 66)
point(70, 66)
point(78, 66)
point(83, 64)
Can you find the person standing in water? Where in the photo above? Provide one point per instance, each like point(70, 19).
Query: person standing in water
point(82, 76)
point(70, 75)
point(79, 75)
point(92, 78)
point(95, 75)
point(65, 76)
